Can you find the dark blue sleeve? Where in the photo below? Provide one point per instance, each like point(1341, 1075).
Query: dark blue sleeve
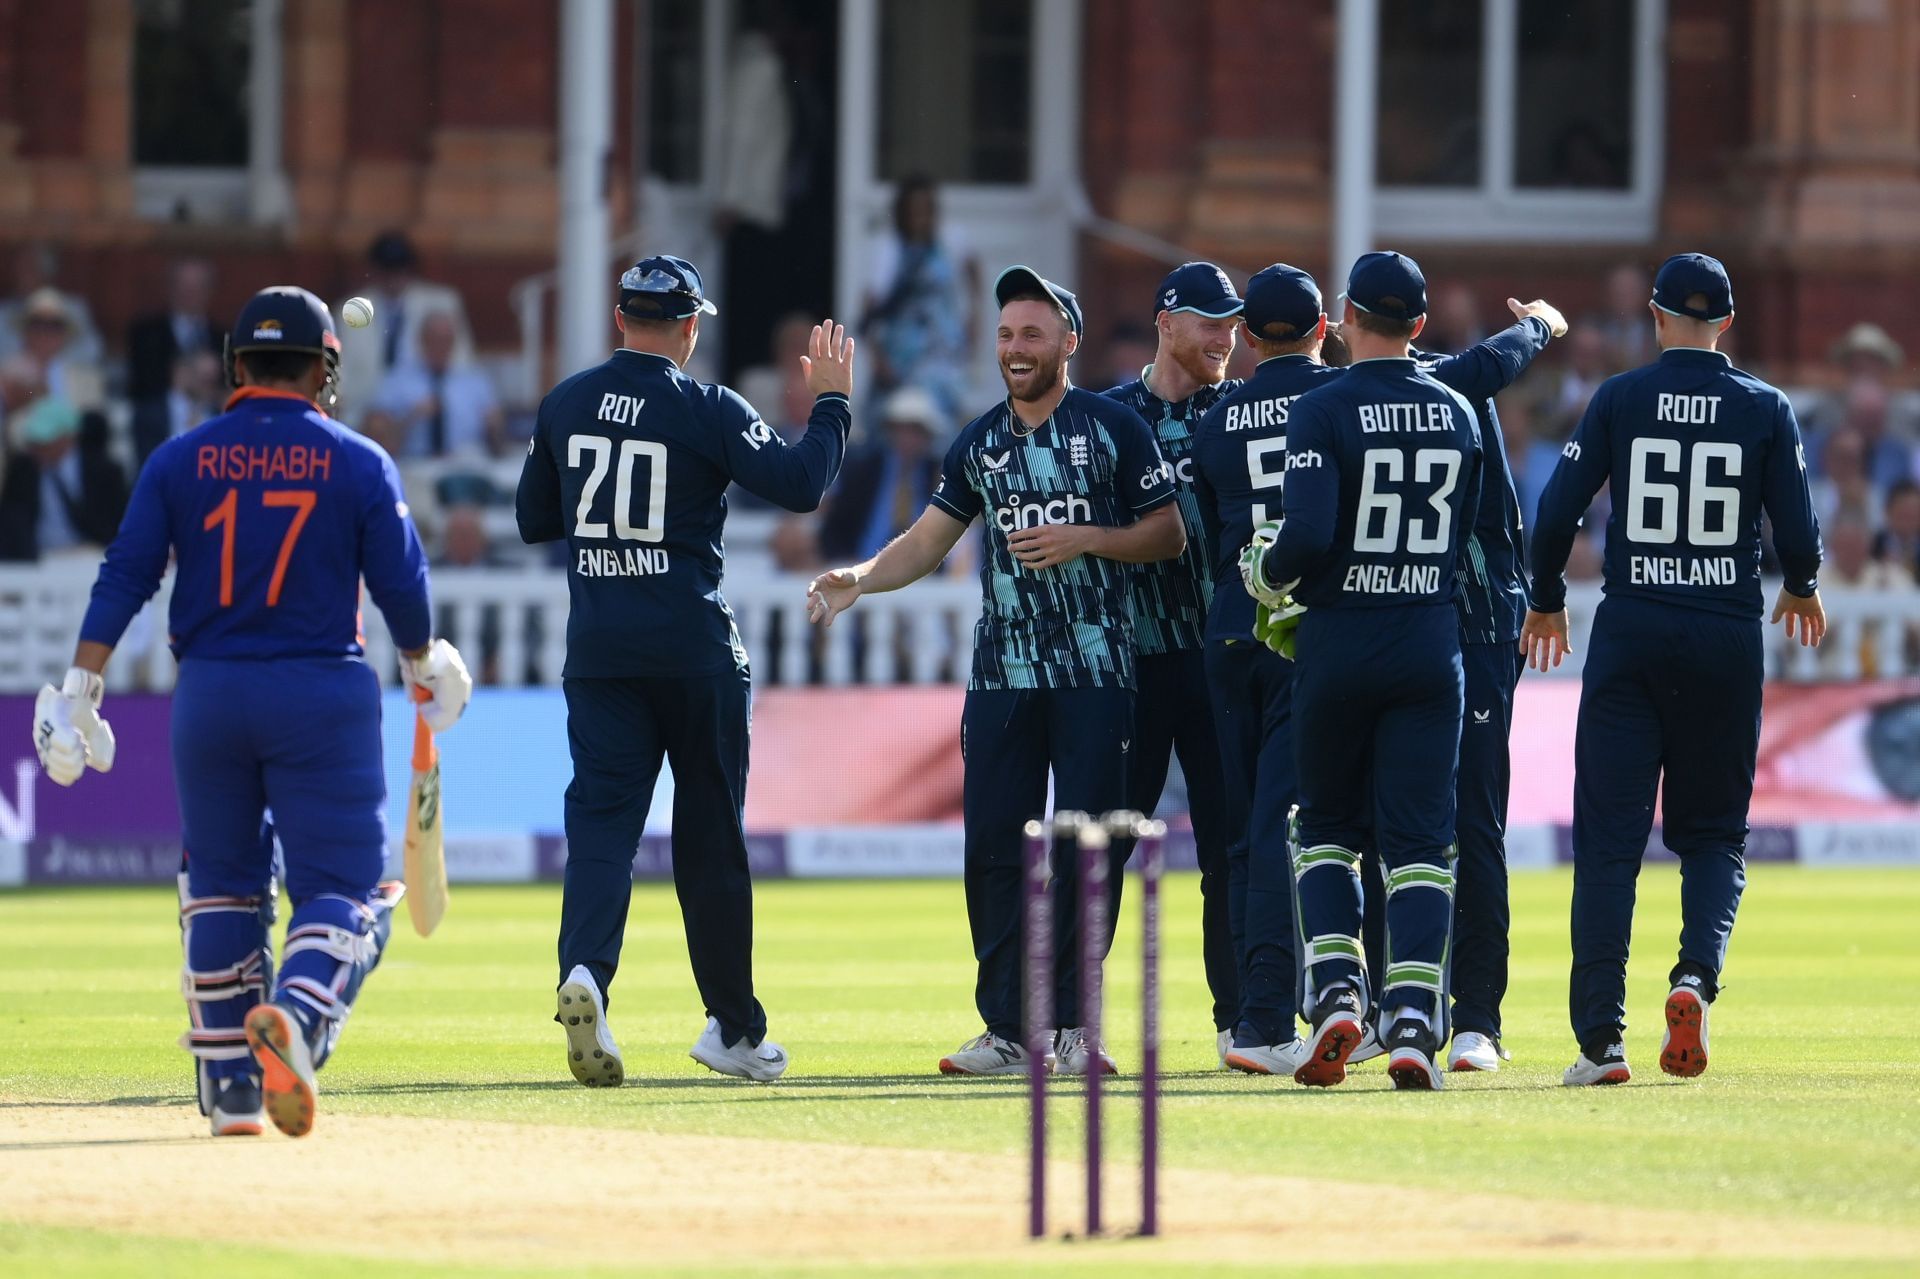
point(1582, 469)
point(1477, 480)
point(1145, 479)
point(137, 560)
point(1313, 495)
point(1487, 368)
point(794, 476)
point(1789, 504)
point(955, 493)
point(392, 560)
point(536, 502)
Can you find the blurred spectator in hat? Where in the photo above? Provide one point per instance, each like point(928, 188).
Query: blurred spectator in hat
point(883, 489)
point(61, 488)
point(1869, 351)
point(923, 299)
point(155, 341)
point(401, 304)
point(36, 268)
point(1846, 489)
point(1866, 410)
point(436, 404)
point(196, 392)
point(49, 334)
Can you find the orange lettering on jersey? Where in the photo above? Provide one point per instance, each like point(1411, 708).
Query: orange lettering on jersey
point(206, 464)
point(277, 464)
point(272, 462)
point(320, 463)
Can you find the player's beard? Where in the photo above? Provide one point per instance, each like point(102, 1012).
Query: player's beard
point(1193, 361)
point(1039, 383)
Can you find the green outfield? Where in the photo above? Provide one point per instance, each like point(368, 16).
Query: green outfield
point(451, 1132)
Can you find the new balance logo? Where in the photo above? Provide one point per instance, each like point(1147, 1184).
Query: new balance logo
point(1571, 450)
point(996, 463)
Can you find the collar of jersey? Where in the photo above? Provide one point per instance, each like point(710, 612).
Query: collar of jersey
point(1291, 355)
point(1383, 359)
point(242, 394)
point(1691, 353)
point(646, 355)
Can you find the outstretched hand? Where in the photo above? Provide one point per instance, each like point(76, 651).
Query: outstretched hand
point(831, 594)
point(1544, 638)
point(828, 363)
point(1545, 310)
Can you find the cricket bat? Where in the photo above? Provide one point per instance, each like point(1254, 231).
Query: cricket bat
point(425, 853)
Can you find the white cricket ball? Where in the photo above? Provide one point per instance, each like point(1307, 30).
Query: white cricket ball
point(357, 312)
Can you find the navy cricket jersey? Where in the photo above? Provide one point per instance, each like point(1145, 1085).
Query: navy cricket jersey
point(1171, 597)
point(1695, 450)
point(1383, 480)
point(273, 512)
point(630, 462)
point(1092, 462)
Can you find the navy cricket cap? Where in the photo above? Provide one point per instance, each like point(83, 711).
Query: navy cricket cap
point(1388, 285)
point(663, 288)
point(284, 318)
point(1685, 274)
point(1200, 287)
point(1024, 279)
point(1282, 294)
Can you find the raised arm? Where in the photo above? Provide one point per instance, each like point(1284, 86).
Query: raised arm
point(796, 476)
point(901, 562)
point(1489, 367)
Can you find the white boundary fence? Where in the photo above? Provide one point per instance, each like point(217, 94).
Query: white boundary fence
point(921, 635)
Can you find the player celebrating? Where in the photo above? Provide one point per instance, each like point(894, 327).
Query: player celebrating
point(630, 462)
point(1072, 491)
point(1195, 317)
point(1383, 474)
point(274, 514)
point(1696, 451)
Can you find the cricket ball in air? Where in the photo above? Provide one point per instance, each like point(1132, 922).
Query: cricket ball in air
point(357, 312)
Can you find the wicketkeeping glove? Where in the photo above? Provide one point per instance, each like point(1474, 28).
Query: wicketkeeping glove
point(68, 733)
point(442, 676)
point(1276, 627)
point(1253, 563)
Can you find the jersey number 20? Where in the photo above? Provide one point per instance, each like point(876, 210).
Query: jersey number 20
point(652, 528)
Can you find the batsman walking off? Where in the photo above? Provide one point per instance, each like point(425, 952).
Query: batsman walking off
point(630, 463)
point(1696, 451)
point(273, 513)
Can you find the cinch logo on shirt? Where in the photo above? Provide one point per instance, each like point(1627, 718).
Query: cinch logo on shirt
point(1305, 458)
point(1156, 475)
point(1571, 450)
point(1072, 509)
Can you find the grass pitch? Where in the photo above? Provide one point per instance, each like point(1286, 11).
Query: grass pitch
point(1801, 1147)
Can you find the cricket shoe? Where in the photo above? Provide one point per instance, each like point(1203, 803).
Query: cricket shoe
point(1073, 1052)
point(1268, 1059)
point(1413, 1050)
point(236, 1109)
point(287, 1081)
point(592, 1055)
point(1611, 1068)
point(1474, 1051)
point(1370, 1046)
point(1223, 1044)
point(986, 1054)
point(1683, 1049)
point(764, 1061)
point(1337, 1031)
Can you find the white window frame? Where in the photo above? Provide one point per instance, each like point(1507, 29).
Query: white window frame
point(1497, 209)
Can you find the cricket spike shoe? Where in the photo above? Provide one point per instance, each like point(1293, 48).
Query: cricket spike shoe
point(1223, 1044)
point(287, 1083)
point(1268, 1059)
point(1337, 1031)
point(1474, 1051)
point(237, 1110)
point(1610, 1067)
point(986, 1054)
point(1683, 1049)
point(764, 1061)
point(1074, 1052)
point(592, 1055)
point(1413, 1050)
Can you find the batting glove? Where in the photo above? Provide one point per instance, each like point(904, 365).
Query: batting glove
point(68, 733)
point(1253, 567)
point(439, 681)
point(1276, 627)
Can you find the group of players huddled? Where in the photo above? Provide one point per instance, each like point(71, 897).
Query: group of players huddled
point(1308, 584)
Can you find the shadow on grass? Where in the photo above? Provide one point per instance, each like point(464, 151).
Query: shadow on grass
point(60, 1143)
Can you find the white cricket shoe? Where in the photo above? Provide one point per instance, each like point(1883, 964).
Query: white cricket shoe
point(287, 1083)
point(236, 1110)
point(1612, 1068)
point(1223, 1044)
point(1072, 1053)
point(1268, 1059)
point(1683, 1048)
point(763, 1061)
point(592, 1055)
point(986, 1054)
point(1474, 1051)
point(1370, 1046)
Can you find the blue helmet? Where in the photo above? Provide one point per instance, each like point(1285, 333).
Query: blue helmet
point(287, 318)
